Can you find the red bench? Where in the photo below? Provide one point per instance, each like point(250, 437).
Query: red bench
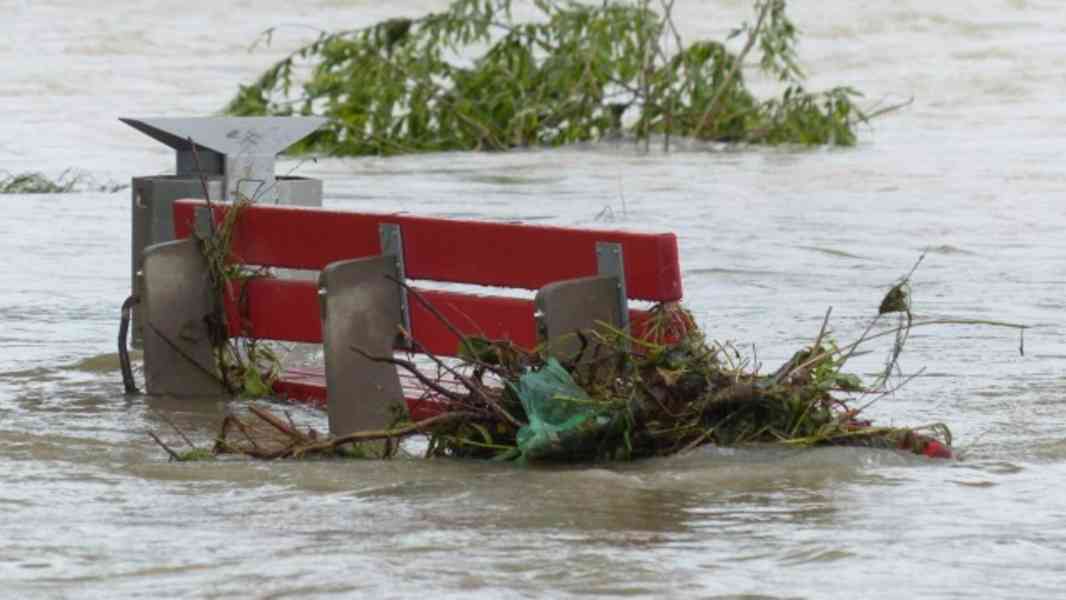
point(576, 273)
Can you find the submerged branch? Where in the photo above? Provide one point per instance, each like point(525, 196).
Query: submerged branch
point(173, 455)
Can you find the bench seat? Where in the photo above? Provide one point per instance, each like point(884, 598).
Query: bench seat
point(307, 386)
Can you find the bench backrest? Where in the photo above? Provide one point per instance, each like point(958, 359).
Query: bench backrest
point(443, 250)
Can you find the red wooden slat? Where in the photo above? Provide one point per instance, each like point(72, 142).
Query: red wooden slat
point(286, 310)
point(304, 386)
point(492, 317)
point(420, 409)
point(495, 254)
point(308, 386)
point(280, 309)
point(274, 309)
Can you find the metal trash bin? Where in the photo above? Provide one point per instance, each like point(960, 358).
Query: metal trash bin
point(232, 157)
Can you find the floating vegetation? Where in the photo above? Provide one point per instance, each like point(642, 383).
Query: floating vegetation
point(622, 399)
point(575, 72)
point(194, 452)
point(70, 180)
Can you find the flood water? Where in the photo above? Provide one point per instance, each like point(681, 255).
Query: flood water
point(770, 238)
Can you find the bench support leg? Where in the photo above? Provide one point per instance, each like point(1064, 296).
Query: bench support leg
point(360, 309)
point(176, 299)
point(566, 307)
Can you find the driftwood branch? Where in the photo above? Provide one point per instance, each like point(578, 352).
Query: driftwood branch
point(175, 427)
point(301, 445)
point(469, 383)
point(426, 304)
point(173, 455)
point(459, 335)
point(369, 436)
point(278, 424)
point(412, 369)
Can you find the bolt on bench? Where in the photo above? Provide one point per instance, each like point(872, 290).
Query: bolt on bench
point(581, 276)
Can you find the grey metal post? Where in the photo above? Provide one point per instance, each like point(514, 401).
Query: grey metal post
point(361, 311)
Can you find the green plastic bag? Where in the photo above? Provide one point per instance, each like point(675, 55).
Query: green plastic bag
point(564, 422)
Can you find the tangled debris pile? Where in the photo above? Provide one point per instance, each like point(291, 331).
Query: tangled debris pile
point(617, 397)
point(624, 398)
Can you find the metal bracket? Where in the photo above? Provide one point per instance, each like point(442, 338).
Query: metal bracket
point(610, 261)
point(177, 299)
point(391, 239)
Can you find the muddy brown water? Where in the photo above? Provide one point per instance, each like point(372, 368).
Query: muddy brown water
point(769, 239)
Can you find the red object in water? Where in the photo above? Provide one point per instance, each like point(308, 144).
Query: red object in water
point(493, 254)
point(303, 386)
point(935, 449)
point(308, 386)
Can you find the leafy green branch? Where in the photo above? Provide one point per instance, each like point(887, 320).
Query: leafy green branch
point(472, 77)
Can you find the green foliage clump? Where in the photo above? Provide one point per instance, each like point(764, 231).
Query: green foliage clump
point(36, 183)
point(70, 180)
point(576, 73)
point(195, 455)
